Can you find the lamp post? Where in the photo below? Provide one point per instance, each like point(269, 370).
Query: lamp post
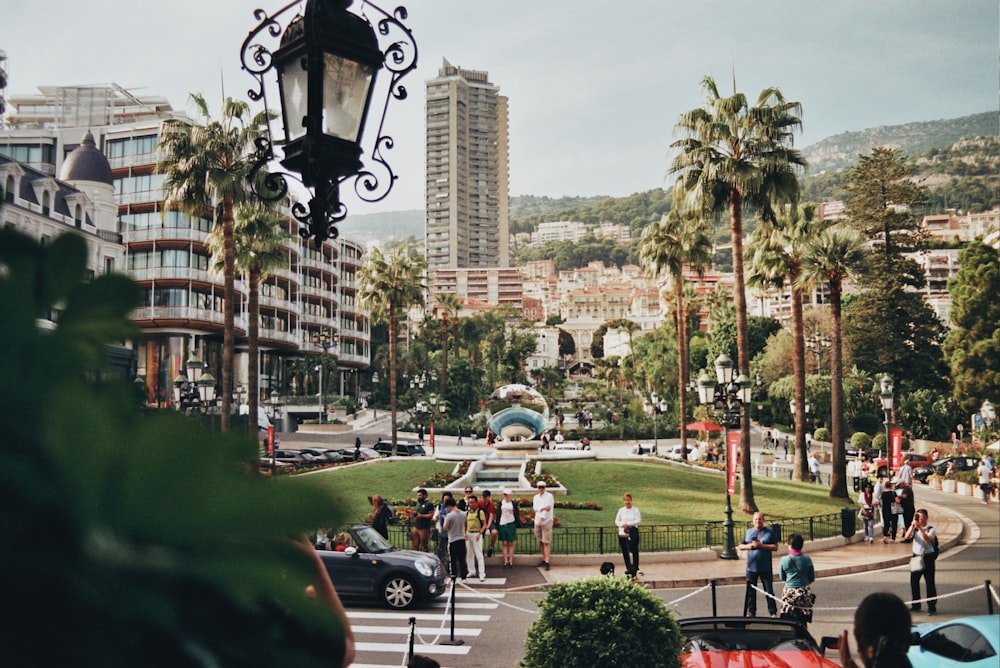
point(327, 62)
point(324, 341)
point(818, 345)
point(728, 396)
point(885, 397)
point(989, 414)
point(375, 380)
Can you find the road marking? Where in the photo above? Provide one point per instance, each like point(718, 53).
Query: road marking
point(405, 630)
point(404, 648)
point(421, 617)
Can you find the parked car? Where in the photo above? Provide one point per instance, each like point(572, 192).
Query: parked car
point(940, 467)
point(403, 448)
point(971, 642)
point(363, 453)
point(870, 453)
point(325, 455)
point(744, 641)
point(373, 569)
point(916, 459)
point(296, 458)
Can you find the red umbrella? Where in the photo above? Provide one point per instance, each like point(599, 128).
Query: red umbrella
point(701, 425)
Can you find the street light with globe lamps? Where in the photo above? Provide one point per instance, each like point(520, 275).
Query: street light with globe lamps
point(885, 397)
point(728, 396)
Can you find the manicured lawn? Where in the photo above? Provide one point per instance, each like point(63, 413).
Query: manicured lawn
point(664, 494)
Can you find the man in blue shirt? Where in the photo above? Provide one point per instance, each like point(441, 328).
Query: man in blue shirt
point(759, 543)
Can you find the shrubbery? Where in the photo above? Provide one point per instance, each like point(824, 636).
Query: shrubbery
point(603, 622)
point(821, 434)
point(860, 441)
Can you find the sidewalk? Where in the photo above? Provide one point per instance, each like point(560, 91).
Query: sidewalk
point(831, 556)
point(664, 570)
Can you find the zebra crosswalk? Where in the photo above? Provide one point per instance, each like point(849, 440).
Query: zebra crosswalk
point(382, 637)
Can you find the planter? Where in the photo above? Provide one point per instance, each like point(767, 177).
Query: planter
point(767, 458)
point(964, 489)
point(935, 483)
point(948, 485)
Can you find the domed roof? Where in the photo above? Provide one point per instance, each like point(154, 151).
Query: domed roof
point(86, 163)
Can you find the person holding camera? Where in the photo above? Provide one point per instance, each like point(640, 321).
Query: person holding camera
point(923, 563)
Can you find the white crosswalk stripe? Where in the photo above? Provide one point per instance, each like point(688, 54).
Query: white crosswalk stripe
point(385, 635)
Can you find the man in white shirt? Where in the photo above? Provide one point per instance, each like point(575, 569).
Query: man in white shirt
point(905, 473)
point(543, 503)
point(814, 468)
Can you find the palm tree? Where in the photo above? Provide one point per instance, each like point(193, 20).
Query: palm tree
point(734, 156)
point(390, 285)
point(672, 244)
point(448, 306)
point(836, 254)
point(259, 247)
point(776, 261)
point(206, 163)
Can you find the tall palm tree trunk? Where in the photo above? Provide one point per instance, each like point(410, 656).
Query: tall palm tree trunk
point(393, 333)
point(838, 480)
point(680, 322)
point(253, 351)
point(747, 503)
point(444, 355)
point(228, 297)
point(801, 464)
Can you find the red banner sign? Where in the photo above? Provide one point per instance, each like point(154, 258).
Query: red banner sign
point(896, 448)
point(732, 456)
point(270, 440)
point(430, 433)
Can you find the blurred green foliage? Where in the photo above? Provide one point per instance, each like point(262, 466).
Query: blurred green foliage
point(128, 539)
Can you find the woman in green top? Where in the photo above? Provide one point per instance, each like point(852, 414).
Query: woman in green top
point(797, 572)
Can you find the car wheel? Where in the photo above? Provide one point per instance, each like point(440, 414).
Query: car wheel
point(399, 592)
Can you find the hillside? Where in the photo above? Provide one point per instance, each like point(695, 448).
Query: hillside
point(842, 150)
point(957, 159)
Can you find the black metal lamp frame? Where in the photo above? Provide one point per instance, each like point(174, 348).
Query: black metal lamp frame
point(319, 170)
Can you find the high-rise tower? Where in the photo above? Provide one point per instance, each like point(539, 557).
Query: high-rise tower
point(467, 207)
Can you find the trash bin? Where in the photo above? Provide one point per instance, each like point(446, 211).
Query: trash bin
point(848, 521)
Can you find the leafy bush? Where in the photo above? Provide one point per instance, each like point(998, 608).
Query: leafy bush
point(880, 442)
point(860, 440)
point(603, 622)
point(160, 543)
point(821, 434)
point(970, 477)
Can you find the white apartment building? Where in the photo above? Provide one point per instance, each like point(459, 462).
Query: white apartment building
point(104, 140)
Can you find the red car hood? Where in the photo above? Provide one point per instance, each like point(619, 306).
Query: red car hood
point(757, 659)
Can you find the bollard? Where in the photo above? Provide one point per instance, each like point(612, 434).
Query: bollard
point(715, 609)
point(413, 626)
point(989, 599)
point(452, 640)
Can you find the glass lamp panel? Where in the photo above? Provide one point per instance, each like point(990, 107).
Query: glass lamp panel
point(294, 81)
point(345, 96)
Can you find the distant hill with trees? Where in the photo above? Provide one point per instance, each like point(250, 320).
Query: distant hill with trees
point(957, 159)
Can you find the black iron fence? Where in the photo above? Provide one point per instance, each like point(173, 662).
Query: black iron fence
point(657, 537)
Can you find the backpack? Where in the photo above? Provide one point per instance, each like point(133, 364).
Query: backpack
point(392, 518)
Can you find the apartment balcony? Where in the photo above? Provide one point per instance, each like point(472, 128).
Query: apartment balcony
point(161, 233)
point(175, 274)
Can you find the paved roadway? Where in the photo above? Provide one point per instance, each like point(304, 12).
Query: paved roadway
point(492, 618)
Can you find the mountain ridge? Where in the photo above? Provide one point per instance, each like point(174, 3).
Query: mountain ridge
point(827, 155)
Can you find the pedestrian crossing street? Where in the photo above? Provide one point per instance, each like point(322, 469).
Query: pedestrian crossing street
point(382, 637)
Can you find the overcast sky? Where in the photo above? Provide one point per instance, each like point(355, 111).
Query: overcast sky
point(595, 88)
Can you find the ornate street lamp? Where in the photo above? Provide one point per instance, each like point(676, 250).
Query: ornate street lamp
point(989, 414)
point(885, 397)
point(326, 62)
point(728, 396)
point(818, 345)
